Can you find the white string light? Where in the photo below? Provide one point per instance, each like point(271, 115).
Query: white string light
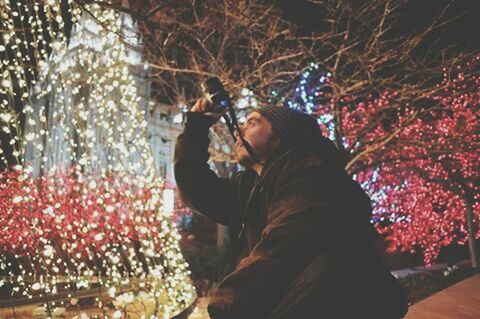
point(83, 117)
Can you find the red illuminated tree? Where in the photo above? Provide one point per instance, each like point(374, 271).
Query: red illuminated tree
point(427, 179)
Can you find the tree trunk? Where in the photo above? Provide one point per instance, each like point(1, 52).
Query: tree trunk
point(471, 234)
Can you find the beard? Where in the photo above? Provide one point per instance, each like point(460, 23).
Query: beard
point(245, 159)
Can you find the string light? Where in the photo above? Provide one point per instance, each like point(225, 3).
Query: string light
point(436, 181)
point(85, 208)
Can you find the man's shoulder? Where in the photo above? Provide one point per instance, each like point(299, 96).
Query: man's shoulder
point(309, 169)
point(305, 162)
point(316, 153)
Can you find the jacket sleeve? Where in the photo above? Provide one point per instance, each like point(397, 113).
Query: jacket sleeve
point(304, 222)
point(198, 186)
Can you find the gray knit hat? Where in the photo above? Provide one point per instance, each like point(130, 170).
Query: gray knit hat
point(292, 126)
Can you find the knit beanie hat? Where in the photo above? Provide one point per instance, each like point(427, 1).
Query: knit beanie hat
point(292, 126)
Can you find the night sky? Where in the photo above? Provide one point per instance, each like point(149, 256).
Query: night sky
point(463, 32)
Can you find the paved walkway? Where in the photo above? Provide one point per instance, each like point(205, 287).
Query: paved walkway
point(459, 301)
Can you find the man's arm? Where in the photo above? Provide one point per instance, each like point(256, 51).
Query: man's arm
point(199, 187)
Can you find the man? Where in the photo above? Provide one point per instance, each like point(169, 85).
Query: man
point(299, 226)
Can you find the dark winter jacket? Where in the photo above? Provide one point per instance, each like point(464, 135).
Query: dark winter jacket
point(301, 234)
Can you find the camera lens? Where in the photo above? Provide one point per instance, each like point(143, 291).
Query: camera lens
point(212, 85)
point(214, 91)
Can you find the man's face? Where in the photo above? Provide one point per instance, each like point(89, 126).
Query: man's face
point(257, 131)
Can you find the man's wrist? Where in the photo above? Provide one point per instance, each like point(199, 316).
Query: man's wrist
point(198, 122)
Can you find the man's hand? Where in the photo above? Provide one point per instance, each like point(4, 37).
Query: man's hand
point(203, 106)
point(226, 304)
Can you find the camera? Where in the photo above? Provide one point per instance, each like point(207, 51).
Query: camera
point(214, 91)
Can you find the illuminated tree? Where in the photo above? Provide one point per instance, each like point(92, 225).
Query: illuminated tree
point(431, 172)
point(83, 214)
